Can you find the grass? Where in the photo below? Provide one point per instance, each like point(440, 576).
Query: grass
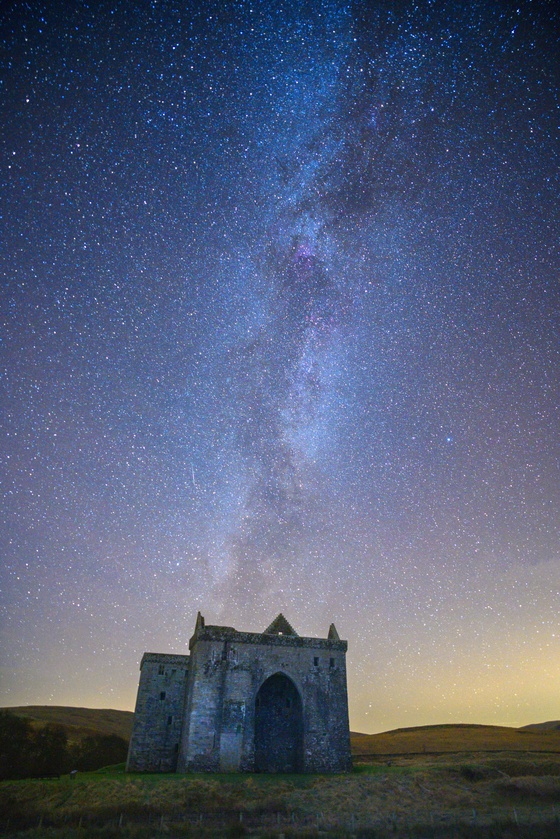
point(461, 781)
point(411, 794)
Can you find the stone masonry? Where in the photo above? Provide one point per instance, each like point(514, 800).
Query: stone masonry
point(244, 702)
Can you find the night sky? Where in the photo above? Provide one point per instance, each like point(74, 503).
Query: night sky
point(280, 332)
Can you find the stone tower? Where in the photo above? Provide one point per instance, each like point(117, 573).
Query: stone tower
point(244, 702)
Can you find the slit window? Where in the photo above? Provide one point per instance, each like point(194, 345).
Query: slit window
point(162, 695)
point(161, 670)
point(332, 662)
point(169, 720)
point(316, 661)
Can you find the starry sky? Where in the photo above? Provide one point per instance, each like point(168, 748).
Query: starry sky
point(280, 312)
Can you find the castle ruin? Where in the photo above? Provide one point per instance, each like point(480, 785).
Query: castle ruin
point(244, 702)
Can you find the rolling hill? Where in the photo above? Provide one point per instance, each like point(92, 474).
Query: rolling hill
point(458, 738)
point(553, 725)
point(539, 737)
point(79, 722)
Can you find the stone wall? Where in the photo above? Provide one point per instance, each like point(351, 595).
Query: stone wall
point(159, 713)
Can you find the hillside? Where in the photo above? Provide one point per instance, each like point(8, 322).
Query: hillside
point(79, 721)
point(539, 737)
point(457, 738)
point(553, 725)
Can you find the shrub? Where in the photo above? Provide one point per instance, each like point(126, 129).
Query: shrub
point(98, 750)
point(544, 788)
point(27, 752)
point(15, 746)
point(475, 772)
point(517, 767)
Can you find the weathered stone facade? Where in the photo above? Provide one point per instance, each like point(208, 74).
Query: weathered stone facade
point(244, 702)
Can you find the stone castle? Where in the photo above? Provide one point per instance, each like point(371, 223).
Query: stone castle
point(244, 702)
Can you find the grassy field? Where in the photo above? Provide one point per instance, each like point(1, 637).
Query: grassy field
point(481, 782)
point(478, 795)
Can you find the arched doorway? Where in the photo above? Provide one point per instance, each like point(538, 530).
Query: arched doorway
point(278, 726)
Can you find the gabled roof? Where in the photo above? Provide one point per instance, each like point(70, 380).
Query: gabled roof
point(280, 626)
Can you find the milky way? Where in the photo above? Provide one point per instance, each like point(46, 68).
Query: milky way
point(280, 333)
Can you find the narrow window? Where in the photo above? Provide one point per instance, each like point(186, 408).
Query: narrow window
point(162, 695)
point(288, 703)
point(332, 662)
point(176, 749)
point(169, 720)
point(316, 661)
point(161, 670)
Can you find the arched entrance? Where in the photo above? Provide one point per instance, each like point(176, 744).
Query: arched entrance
point(278, 726)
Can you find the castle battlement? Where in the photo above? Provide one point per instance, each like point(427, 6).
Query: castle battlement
point(164, 658)
point(225, 634)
